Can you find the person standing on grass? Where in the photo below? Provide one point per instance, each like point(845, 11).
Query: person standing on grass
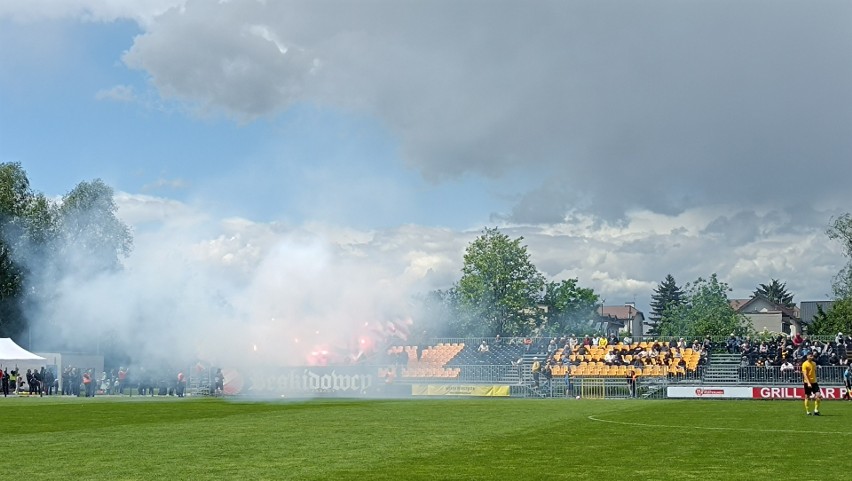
point(181, 384)
point(811, 386)
point(847, 379)
point(219, 380)
point(4, 382)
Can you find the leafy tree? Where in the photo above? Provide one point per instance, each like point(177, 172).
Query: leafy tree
point(666, 297)
point(93, 236)
point(37, 234)
point(776, 291)
point(500, 287)
point(569, 307)
point(841, 230)
point(15, 196)
point(440, 314)
point(837, 319)
point(706, 310)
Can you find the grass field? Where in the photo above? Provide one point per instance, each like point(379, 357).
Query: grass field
point(455, 439)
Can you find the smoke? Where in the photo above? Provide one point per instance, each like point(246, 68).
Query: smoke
point(229, 292)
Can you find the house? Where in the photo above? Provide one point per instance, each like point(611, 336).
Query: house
point(767, 315)
point(614, 319)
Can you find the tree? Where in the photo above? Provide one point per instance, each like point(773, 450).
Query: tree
point(841, 230)
point(776, 292)
point(569, 307)
point(500, 287)
point(15, 196)
point(439, 313)
point(37, 235)
point(837, 319)
point(93, 236)
point(666, 296)
point(706, 310)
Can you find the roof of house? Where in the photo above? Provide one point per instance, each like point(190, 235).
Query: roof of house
point(742, 305)
point(621, 312)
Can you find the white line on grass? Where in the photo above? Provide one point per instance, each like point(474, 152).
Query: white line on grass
point(710, 428)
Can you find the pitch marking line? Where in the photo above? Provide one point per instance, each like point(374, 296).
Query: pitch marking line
point(710, 428)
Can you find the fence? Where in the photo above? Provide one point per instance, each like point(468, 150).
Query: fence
point(595, 388)
point(774, 375)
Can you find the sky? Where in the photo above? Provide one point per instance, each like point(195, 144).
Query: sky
point(325, 161)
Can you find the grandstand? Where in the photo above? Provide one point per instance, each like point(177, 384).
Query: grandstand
point(654, 362)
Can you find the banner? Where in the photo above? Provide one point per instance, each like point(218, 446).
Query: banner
point(459, 390)
point(709, 392)
point(341, 381)
point(749, 392)
point(795, 392)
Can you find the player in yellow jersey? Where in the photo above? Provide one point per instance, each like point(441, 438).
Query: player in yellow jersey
point(809, 377)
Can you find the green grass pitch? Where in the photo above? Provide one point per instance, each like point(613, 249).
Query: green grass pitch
point(430, 439)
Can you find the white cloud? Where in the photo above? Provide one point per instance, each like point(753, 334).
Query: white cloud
point(118, 93)
point(662, 113)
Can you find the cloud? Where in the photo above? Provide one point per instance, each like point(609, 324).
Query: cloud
point(168, 184)
point(118, 93)
point(654, 105)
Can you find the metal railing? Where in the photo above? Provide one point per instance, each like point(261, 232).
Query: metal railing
point(775, 375)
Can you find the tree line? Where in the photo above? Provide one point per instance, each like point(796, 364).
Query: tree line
point(501, 292)
point(44, 240)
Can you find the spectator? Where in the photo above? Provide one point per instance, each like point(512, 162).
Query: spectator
point(573, 342)
point(551, 347)
point(787, 369)
point(536, 371)
point(483, 350)
point(732, 345)
point(547, 371)
point(631, 382)
point(798, 340)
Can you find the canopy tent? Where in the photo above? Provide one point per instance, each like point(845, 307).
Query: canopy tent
point(11, 352)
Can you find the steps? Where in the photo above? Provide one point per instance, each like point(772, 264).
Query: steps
point(722, 369)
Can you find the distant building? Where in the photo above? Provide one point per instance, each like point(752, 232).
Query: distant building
point(767, 315)
point(615, 319)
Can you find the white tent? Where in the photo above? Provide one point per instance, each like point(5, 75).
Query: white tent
point(11, 352)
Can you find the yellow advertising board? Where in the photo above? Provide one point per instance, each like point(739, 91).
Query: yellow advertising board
point(459, 390)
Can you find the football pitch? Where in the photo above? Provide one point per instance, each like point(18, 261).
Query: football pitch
point(435, 439)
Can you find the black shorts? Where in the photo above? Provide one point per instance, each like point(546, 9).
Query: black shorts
point(812, 389)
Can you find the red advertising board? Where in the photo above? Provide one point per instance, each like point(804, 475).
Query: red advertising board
point(794, 392)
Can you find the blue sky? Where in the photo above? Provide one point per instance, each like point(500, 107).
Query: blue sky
point(623, 141)
point(59, 123)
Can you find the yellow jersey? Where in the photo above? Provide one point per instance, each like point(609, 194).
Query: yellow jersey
point(809, 372)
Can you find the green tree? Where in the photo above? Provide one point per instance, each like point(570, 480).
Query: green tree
point(500, 287)
point(706, 310)
point(570, 308)
point(841, 231)
point(776, 291)
point(666, 297)
point(15, 197)
point(440, 315)
point(94, 238)
point(837, 319)
point(37, 235)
